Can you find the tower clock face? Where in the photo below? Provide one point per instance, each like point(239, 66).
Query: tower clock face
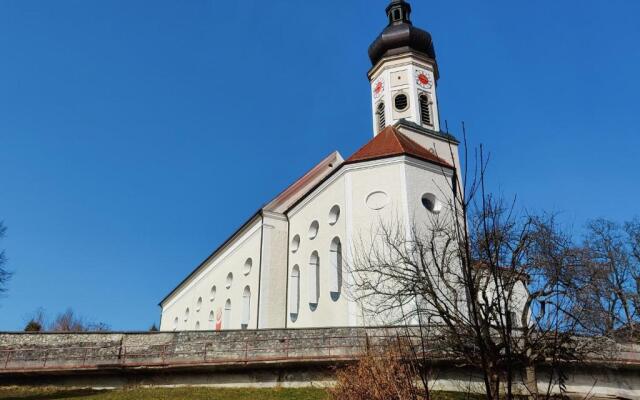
point(423, 80)
point(378, 88)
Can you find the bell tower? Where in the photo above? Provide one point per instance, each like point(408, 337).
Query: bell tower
point(404, 73)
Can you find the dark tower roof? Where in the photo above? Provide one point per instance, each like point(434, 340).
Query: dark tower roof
point(400, 36)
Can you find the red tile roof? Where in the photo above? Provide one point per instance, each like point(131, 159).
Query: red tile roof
point(389, 143)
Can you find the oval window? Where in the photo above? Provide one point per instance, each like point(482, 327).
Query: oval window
point(401, 102)
point(295, 243)
point(431, 203)
point(334, 215)
point(229, 280)
point(313, 230)
point(212, 293)
point(377, 200)
point(247, 266)
point(199, 304)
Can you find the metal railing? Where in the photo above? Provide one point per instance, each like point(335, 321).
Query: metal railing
point(220, 350)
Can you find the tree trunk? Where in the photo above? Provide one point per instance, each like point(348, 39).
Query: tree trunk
point(531, 381)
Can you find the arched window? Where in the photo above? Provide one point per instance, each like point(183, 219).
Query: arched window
point(186, 314)
point(212, 316)
point(197, 325)
point(226, 323)
point(425, 110)
point(382, 123)
point(294, 292)
point(246, 307)
point(335, 274)
point(314, 274)
point(175, 324)
point(199, 304)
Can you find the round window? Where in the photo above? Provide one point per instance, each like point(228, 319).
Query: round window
point(295, 243)
point(431, 203)
point(401, 102)
point(377, 200)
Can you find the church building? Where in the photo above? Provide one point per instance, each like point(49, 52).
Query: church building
point(286, 266)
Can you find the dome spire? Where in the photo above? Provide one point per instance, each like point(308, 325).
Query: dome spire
point(400, 36)
point(399, 12)
point(403, 73)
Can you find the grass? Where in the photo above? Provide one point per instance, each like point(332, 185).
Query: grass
point(186, 393)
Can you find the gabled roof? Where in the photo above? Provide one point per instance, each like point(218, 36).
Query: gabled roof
point(300, 187)
point(391, 142)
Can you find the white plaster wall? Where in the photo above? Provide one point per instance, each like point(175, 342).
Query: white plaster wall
point(386, 176)
point(405, 67)
point(231, 259)
point(403, 180)
point(273, 273)
point(357, 227)
point(440, 146)
point(316, 207)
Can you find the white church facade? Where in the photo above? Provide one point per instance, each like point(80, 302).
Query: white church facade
point(286, 266)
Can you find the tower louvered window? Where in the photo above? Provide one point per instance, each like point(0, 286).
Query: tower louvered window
point(425, 110)
point(380, 115)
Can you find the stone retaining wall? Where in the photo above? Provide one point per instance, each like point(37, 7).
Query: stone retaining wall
point(248, 358)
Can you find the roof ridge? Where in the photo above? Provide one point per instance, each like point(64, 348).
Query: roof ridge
point(391, 142)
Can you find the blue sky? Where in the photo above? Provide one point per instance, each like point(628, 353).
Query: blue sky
point(135, 136)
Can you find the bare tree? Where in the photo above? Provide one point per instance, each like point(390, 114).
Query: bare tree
point(5, 275)
point(613, 269)
point(68, 321)
point(499, 288)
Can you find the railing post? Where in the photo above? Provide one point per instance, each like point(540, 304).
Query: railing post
point(205, 352)
point(164, 351)
point(246, 351)
point(84, 356)
point(46, 355)
point(6, 362)
point(286, 347)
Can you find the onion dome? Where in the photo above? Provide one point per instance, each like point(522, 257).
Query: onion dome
point(400, 36)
